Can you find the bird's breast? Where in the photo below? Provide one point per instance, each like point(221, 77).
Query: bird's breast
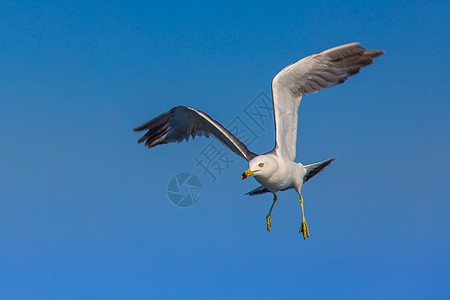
point(285, 177)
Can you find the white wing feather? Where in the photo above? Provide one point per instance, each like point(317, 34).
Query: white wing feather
point(309, 75)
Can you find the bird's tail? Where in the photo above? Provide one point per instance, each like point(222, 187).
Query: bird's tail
point(314, 169)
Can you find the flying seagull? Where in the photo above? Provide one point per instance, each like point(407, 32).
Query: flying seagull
point(274, 170)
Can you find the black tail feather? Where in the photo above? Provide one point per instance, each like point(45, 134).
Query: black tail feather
point(314, 169)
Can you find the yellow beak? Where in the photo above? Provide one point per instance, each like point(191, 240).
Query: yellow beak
point(248, 173)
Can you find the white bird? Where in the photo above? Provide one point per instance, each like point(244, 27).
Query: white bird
point(274, 170)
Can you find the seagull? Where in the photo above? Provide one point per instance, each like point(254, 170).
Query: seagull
point(275, 170)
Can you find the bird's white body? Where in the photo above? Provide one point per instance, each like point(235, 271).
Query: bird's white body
point(287, 174)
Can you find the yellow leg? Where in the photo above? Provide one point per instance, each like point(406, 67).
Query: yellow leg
point(304, 228)
point(268, 218)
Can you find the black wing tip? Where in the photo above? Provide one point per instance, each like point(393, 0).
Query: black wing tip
point(145, 126)
point(374, 53)
point(136, 129)
point(370, 53)
point(148, 142)
point(142, 139)
point(146, 137)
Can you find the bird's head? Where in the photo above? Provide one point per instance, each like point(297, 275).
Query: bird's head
point(261, 166)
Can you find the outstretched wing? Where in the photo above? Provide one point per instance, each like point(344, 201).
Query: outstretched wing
point(310, 75)
point(181, 122)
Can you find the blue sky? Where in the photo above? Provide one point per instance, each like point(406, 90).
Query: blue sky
point(84, 212)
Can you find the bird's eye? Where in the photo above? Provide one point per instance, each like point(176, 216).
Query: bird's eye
point(261, 165)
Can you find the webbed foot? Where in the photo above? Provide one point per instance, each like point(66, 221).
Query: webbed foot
point(304, 229)
point(269, 222)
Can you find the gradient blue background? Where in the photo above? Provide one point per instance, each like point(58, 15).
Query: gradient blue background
point(84, 212)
